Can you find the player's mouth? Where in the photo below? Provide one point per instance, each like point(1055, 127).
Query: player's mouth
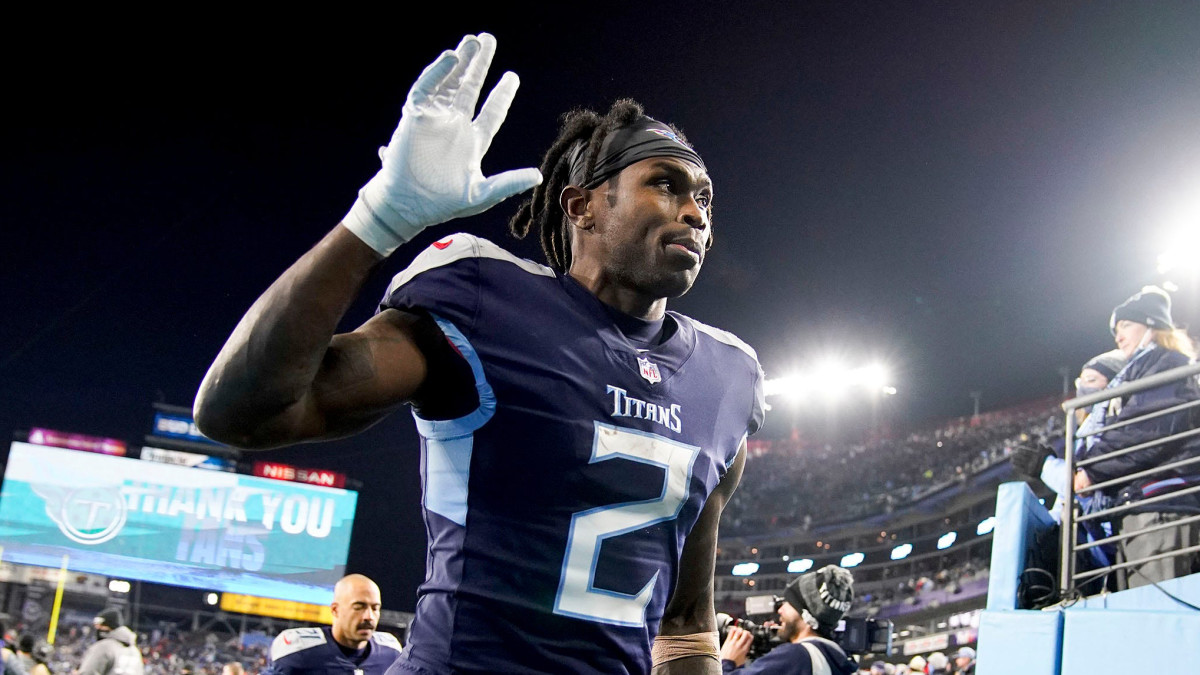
point(686, 246)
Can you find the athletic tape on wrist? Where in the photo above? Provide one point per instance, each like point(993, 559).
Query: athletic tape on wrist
point(373, 230)
point(671, 647)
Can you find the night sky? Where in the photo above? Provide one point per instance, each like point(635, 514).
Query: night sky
point(964, 190)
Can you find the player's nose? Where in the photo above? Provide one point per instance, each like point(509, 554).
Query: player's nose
point(692, 213)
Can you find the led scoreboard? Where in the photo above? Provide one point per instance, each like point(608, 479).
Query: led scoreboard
point(175, 525)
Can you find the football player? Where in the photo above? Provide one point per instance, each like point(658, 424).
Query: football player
point(579, 441)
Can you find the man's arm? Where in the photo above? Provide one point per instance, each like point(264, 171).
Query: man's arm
point(96, 660)
point(690, 609)
point(283, 376)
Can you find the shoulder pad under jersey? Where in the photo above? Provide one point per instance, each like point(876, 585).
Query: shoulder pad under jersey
point(294, 640)
point(457, 247)
point(723, 336)
point(384, 639)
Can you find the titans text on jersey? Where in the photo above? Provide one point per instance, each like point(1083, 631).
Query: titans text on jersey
point(313, 651)
point(557, 509)
point(625, 405)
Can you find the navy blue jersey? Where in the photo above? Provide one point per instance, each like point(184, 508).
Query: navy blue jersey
point(557, 510)
point(313, 651)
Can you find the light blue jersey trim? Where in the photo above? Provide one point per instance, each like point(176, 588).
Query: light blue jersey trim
point(449, 443)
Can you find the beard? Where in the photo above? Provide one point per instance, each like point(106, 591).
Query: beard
point(788, 629)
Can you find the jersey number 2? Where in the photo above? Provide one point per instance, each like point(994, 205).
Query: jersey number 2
point(577, 594)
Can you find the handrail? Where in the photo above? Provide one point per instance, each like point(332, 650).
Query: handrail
point(1068, 578)
point(1141, 384)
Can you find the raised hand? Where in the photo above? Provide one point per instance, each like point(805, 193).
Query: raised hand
point(432, 166)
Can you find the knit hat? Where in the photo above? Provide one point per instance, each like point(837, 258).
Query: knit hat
point(917, 663)
point(1150, 307)
point(965, 652)
point(938, 661)
point(42, 651)
point(1107, 364)
point(110, 618)
point(826, 594)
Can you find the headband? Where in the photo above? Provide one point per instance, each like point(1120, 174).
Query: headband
point(643, 139)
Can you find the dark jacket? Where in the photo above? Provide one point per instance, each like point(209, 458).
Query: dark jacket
point(1150, 362)
point(793, 658)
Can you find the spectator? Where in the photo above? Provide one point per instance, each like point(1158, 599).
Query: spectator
point(1145, 333)
point(114, 653)
point(964, 661)
point(34, 655)
point(939, 664)
point(10, 662)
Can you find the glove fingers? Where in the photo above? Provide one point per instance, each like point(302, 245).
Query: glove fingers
point(495, 189)
point(475, 71)
point(448, 90)
point(428, 84)
point(495, 109)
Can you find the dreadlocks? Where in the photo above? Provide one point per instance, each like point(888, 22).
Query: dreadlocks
point(542, 209)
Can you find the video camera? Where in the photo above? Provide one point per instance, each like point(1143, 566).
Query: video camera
point(864, 636)
point(766, 638)
point(854, 636)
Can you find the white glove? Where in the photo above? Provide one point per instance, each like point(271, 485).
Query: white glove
point(431, 168)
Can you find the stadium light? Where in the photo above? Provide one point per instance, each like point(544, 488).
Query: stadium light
point(901, 552)
point(852, 560)
point(118, 586)
point(744, 569)
point(211, 598)
point(947, 540)
point(798, 566)
point(1182, 244)
point(830, 379)
point(986, 525)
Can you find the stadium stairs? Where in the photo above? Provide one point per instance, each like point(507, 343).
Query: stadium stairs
point(1141, 630)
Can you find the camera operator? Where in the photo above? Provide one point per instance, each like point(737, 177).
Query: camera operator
point(812, 606)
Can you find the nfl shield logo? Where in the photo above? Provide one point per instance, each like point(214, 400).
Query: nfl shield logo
point(649, 370)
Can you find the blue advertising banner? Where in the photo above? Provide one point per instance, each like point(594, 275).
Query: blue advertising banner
point(174, 525)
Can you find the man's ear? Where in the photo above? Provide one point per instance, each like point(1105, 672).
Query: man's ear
point(576, 202)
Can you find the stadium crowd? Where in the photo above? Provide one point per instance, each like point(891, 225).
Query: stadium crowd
point(792, 485)
point(175, 652)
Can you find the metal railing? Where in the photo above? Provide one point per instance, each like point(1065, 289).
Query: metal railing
point(1068, 577)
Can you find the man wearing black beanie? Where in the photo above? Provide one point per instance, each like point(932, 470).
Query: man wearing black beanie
point(1140, 449)
point(813, 605)
point(115, 653)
